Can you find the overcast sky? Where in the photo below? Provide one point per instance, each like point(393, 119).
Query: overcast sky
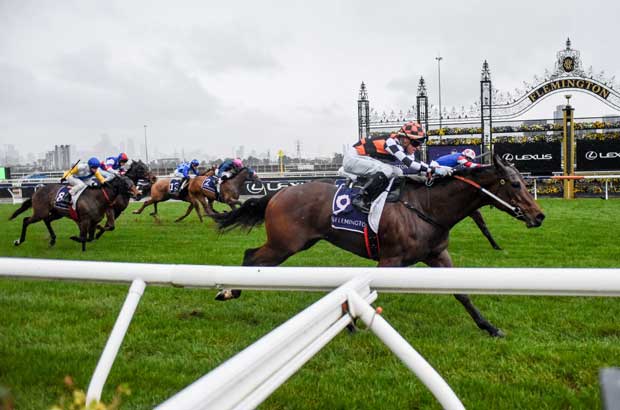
point(209, 76)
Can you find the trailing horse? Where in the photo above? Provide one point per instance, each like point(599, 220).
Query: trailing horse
point(196, 194)
point(160, 192)
point(230, 190)
point(91, 207)
point(143, 179)
point(413, 229)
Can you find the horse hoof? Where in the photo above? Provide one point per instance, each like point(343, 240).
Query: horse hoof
point(498, 333)
point(52, 243)
point(227, 294)
point(16, 242)
point(136, 212)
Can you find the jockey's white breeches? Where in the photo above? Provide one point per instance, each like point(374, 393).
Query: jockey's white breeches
point(354, 163)
point(77, 185)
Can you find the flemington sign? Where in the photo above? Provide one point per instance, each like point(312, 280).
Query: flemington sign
point(573, 83)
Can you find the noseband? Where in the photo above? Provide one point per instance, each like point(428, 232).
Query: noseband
point(518, 213)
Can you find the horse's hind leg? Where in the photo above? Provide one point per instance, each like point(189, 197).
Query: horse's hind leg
point(26, 221)
point(266, 255)
point(444, 260)
point(48, 224)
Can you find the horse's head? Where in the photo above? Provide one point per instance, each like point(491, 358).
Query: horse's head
point(139, 170)
point(123, 185)
point(511, 188)
point(252, 175)
point(246, 174)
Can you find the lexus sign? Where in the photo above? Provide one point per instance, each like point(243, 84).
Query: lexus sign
point(593, 155)
point(539, 158)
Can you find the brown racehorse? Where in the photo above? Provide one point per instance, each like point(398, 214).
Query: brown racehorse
point(160, 192)
point(414, 229)
point(137, 171)
point(229, 192)
point(91, 207)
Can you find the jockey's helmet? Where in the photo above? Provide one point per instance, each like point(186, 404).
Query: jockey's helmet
point(413, 131)
point(122, 157)
point(93, 163)
point(237, 163)
point(469, 153)
point(194, 163)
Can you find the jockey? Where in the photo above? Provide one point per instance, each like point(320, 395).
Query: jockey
point(227, 170)
point(371, 157)
point(116, 165)
point(82, 174)
point(183, 171)
point(464, 159)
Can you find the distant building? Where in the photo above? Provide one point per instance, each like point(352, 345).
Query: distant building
point(58, 159)
point(558, 114)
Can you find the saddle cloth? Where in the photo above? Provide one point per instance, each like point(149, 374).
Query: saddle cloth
point(175, 185)
point(210, 184)
point(346, 217)
point(342, 205)
point(63, 201)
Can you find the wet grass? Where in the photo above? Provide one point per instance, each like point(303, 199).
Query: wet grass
point(550, 358)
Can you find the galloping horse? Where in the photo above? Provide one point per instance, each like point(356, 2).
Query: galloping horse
point(413, 229)
point(91, 207)
point(229, 192)
point(138, 171)
point(160, 192)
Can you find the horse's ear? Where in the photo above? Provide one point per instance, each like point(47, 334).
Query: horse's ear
point(497, 161)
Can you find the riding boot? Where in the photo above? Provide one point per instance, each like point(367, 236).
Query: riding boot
point(370, 190)
point(182, 186)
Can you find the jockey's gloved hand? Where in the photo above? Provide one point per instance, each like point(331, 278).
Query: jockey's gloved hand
point(94, 184)
point(434, 164)
point(441, 171)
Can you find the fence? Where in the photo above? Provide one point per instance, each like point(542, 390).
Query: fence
point(324, 319)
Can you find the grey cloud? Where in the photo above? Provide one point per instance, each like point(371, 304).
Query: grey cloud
point(221, 49)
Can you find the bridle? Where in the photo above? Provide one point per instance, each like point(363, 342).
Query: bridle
point(518, 213)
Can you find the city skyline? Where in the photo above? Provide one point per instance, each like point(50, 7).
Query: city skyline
point(209, 79)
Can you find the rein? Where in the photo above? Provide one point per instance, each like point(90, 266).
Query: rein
point(518, 213)
point(422, 216)
point(106, 196)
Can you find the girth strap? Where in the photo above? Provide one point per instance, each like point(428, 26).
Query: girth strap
point(423, 216)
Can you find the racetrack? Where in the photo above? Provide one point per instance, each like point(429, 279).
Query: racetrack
point(549, 359)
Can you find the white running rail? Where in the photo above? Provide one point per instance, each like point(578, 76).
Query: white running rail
point(317, 325)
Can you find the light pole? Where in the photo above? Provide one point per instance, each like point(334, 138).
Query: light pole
point(439, 58)
point(146, 147)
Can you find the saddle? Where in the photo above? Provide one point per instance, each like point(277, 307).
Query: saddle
point(393, 194)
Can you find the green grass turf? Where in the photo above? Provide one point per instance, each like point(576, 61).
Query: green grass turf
point(550, 358)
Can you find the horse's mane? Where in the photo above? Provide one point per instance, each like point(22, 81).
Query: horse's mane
point(472, 172)
point(464, 172)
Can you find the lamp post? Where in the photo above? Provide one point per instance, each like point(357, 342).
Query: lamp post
point(146, 147)
point(439, 58)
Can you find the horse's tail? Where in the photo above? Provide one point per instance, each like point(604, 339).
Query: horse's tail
point(25, 205)
point(248, 215)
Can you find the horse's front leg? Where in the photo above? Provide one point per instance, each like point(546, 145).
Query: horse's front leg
point(189, 210)
point(234, 204)
point(144, 205)
point(443, 260)
point(479, 220)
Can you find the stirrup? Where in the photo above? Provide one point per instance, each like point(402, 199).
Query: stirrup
point(361, 204)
